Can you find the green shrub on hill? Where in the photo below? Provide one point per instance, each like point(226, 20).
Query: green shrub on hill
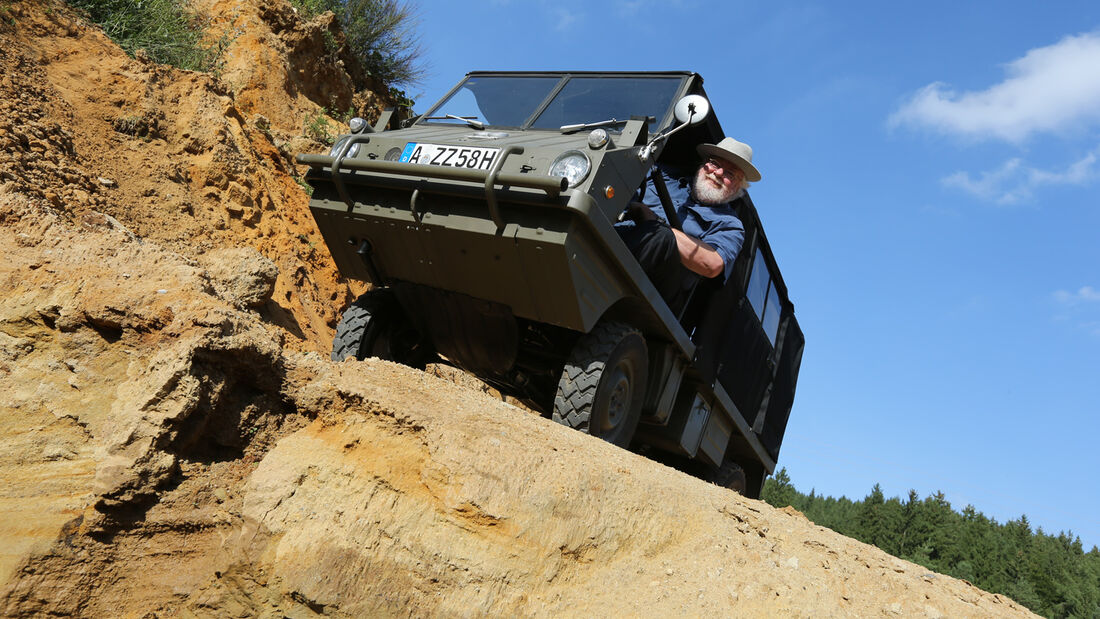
point(167, 30)
point(381, 34)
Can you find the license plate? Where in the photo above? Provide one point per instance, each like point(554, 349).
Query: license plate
point(472, 157)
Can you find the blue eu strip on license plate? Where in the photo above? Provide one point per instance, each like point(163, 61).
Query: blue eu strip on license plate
point(470, 157)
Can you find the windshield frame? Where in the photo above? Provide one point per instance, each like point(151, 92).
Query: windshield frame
point(687, 79)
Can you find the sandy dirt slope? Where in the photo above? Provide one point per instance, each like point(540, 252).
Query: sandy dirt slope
point(168, 153)
point(175, 442)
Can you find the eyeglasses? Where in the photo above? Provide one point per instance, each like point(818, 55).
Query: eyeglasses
point(714, 165)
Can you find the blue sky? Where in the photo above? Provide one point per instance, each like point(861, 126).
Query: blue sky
point(930, 188)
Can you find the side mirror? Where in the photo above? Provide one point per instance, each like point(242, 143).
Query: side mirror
point(692, 109)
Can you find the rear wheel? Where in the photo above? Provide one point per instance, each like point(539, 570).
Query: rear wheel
point(603, 383)
point(375, 325)
point(730, 475)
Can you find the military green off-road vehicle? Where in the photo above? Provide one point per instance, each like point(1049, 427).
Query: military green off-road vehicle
point(485, 229)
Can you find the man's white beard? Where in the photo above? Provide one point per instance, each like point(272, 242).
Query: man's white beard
point(707, 193)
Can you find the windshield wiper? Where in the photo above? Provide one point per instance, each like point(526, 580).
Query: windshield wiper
point(583, 126)
point(469, 120)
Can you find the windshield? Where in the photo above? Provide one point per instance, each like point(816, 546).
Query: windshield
point(595, 99)
point(510, 101)
point(495, 100)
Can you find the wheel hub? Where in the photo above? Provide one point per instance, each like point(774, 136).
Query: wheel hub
point(619, 403)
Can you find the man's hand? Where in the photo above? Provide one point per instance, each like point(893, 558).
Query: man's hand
point(639, 212)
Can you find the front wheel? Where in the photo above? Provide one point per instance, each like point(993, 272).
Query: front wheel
point(375, 325)
point(603, 383)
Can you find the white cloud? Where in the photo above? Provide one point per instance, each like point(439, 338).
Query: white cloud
point(1084, 294)
point(1014, 182)
point(630, 8)
point(565, 18)
point(989, 185)
point(1049, 90)
point(1079, 308)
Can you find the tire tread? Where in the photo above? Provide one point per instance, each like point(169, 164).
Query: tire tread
point(581, 375)
point(352, 329)
point(730, 475)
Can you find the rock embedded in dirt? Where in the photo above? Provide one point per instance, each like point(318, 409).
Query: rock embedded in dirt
point(242, 277)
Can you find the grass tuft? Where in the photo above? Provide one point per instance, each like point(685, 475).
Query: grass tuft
point(167, 30)
point(316, 126)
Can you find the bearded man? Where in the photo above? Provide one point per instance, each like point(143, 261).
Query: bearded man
point(711, 234)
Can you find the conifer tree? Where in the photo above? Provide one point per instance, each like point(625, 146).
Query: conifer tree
point(1050, 574)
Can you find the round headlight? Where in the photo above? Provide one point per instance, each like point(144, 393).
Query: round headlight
point(339, 145)
point(573, 165)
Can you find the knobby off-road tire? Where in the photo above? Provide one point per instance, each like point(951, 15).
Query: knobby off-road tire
point(602, 386)
point(375, 325)
point(730, 475)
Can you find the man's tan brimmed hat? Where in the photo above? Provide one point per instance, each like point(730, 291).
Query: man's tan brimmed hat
point(737, 153)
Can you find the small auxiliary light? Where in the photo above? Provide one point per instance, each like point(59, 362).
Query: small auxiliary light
point(597, 139)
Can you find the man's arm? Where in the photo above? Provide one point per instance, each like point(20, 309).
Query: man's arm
point(697, 256)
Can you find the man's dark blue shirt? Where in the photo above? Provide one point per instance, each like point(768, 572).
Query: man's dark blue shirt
point(716, 226)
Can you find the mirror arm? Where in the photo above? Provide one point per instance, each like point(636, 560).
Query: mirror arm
point(645, 153)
